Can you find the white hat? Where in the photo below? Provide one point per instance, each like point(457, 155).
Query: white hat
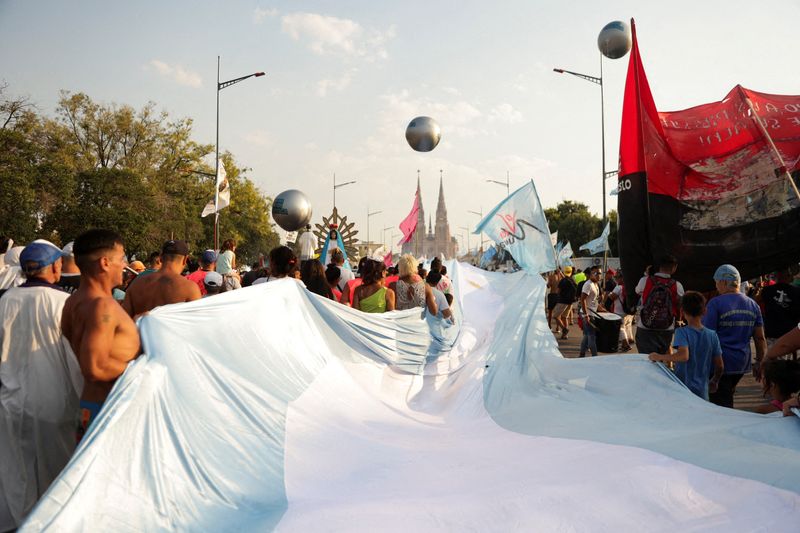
point(67, 250)
point(213, 279)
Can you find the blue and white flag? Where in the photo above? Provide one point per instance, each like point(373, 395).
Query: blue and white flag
point(519, 224)
point(599, 244)
point(487, 256)
point(564, 255)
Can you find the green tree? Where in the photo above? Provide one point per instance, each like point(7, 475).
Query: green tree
point(574, 223)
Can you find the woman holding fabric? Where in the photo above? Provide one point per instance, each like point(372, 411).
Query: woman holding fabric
point(371, 296)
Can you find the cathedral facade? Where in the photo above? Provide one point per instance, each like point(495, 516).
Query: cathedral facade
point(436, 239)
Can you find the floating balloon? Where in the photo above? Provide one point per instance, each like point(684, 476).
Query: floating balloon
point(614, 40)
point(291, 210)
point(423, 134)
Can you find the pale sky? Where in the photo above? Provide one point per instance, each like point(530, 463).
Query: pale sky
point(345, 78)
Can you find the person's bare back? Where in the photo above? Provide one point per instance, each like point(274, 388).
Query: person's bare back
point(162, 288)
point(102, 335)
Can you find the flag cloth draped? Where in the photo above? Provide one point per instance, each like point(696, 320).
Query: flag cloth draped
point(519, 224)
point(564, 255)
point(309, 415)
point(716, 184)
point(599, 244)
point(409, 224)
point(554, 238)
point(224, 197)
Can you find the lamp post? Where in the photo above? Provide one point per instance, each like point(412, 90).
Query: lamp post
point(220, 86)
point(336, 186)
point(369, 215)
point(467, 230)
point(507, 183)
point(384, 234)
point(480, 215)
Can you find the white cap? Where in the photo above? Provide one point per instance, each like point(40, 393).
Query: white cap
point(67, 250)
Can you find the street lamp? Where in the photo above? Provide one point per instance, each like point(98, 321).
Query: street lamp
point(336, 186)
point(369, 215)
point(220, 86)
point(467, 230)
point(384, 234)
point(507, 183)
point(615, 54)
point(480, 215)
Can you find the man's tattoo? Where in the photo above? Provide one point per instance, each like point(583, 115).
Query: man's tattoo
point(106, 318)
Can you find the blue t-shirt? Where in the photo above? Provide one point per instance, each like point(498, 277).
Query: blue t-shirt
point(733, 316)
point(703, 346)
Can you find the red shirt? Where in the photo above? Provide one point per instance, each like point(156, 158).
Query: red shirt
point(198, 276)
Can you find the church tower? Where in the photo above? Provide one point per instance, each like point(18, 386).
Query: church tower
point(434, 238)
point(444, 241)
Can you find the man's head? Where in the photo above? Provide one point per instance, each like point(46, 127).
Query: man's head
point(693, 304)
point(208, 259)
point(727, 278)
point(436, 264)
point(42, 260)
point(567, 271)
point(154, 261)
point(213, 282)
point(99, 254)
point(433, 278)
point(668, 264)
point(337, 257)
point(174, 255)
point(611, 273)
point(594, 273)
point(137, 266)
point(332, 275)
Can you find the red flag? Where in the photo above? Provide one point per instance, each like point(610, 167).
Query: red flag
point(387, 259)
point(409, 224)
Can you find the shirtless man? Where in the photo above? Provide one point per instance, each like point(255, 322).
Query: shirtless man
point(166, 286)
point(101, 334)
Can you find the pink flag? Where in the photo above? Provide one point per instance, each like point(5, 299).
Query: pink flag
point(409, 224)
point(387, 259)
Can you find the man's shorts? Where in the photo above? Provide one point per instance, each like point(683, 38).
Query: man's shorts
point(552, 300)
point(561, 310)
point(89, 411)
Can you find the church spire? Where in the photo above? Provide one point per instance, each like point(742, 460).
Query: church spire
point(441, 209)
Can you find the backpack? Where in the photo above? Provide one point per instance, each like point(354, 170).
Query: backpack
point(660, 301)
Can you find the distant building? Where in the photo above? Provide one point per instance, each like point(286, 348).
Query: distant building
point(437, 238)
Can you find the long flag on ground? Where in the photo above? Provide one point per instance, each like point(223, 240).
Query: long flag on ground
point(519, 224)
point(223, 195)
point(600, 244)
point(711, 184)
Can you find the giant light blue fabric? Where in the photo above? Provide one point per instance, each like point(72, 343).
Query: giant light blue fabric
point(193, 435)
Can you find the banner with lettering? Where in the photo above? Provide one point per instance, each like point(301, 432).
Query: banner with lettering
point(519, 224)
point(713, 184)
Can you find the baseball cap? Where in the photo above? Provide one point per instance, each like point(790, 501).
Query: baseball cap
point(213, 279)
point(175, 248)
point(611, 271)
point(138, 266)
point(67, 250)
point(568, 270)
point(39, 254)
point(208, 257)
point(727, 273)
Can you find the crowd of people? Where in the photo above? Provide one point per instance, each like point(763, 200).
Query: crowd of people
point(707, 339)
point(68, 331)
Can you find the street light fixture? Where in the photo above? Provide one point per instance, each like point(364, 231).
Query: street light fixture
point(336, 186)
point(220, 86)
point(369, 215)
point(507, 183)
point(384, 234)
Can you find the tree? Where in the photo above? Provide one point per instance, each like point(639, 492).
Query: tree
point(574, 223)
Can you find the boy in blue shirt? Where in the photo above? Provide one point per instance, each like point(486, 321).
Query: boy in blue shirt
point(697, 349)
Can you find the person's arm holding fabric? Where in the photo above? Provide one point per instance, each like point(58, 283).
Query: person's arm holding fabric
point(681, 356)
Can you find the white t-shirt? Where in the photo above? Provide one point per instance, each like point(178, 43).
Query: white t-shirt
point(593, 295)
point(308, 245)
point(346, 275)
point(441, 301)
point(618, 300)
point(225, 262)
point(640, 289)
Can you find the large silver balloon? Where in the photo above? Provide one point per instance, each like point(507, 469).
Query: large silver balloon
point(614, 40)
point(291, 210)
point(423, 134)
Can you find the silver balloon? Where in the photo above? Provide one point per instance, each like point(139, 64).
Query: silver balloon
point(614, 40)
point(423, 134)
point(291, 210)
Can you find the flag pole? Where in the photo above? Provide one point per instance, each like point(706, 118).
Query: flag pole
point(216, 173)
point(773, 148)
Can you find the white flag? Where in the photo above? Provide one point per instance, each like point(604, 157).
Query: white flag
point(224, 198)
point(554, 238)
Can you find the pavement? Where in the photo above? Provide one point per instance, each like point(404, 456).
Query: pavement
point(748, 393)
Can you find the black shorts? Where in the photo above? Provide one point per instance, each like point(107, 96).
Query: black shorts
point(552, 300)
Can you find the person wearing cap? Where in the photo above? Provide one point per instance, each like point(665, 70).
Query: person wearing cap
point(608, 287)
point(40, 385)
point(736, 319)
point(212, 284)
point(137, 266)
point(70, 274)
point(167, 286)
point(208, 262)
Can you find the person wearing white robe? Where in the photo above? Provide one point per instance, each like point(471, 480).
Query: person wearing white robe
point(40, 387)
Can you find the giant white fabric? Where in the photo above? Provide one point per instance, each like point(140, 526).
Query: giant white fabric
point(40, 383)
point(272, 408)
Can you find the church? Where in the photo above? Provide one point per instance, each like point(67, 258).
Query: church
point(437, 239)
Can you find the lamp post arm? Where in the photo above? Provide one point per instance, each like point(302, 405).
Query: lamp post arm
point(222, 85)
point(593, 79)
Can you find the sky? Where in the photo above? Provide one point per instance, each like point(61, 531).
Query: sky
point(345, 78)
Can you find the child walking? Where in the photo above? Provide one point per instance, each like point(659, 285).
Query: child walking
point(697, 347)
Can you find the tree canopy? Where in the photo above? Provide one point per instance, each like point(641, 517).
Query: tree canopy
point(138, 172)
point(576, 224)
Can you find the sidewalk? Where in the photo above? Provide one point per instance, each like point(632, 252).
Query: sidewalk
point(748, 392)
